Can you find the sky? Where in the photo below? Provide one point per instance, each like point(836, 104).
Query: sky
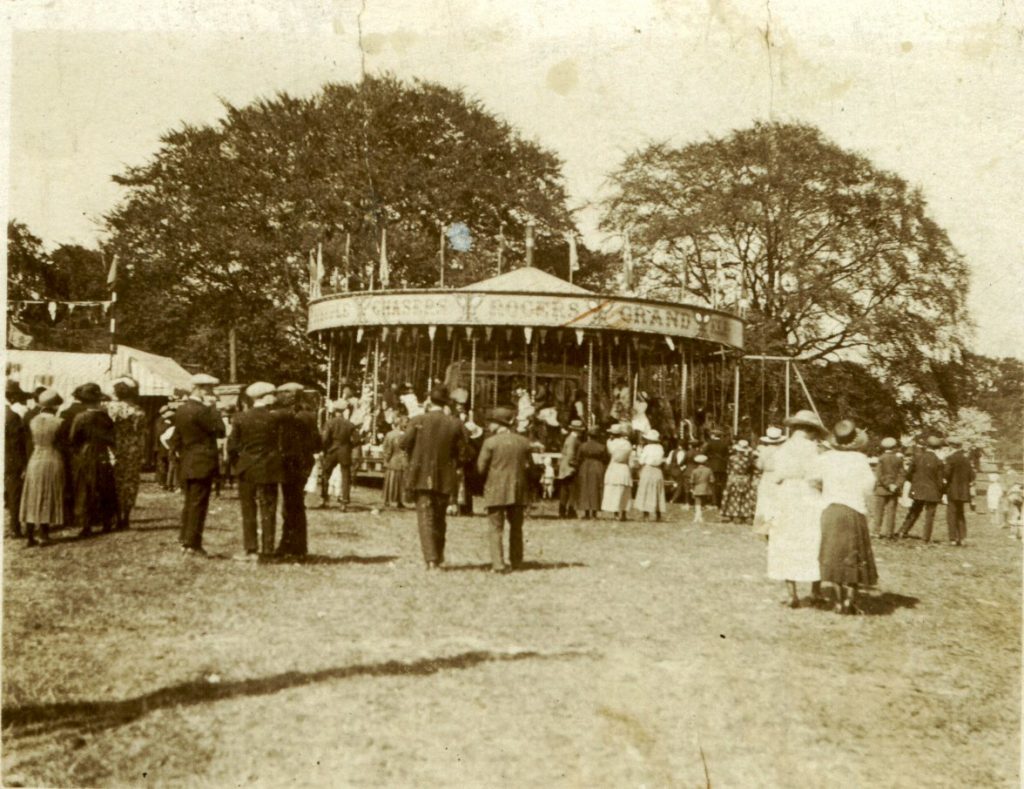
point(930, 91)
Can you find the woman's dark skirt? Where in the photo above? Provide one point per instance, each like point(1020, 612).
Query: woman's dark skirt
point(845, 555)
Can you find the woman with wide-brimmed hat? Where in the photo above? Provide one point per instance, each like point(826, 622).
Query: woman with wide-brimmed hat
point(92, 442)
point(593, 458)
point(42, 499)
point(795, 534)
point(764, 507)
point(618, 479)
point(130, 445)
point(847, 481)
point(650, 488)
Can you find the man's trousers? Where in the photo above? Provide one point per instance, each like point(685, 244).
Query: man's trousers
point(885, 514)
point(193, 514)
point(258, 499)
point(496, 517)
point(956, 522)
point(915, 512)
point(430, 516)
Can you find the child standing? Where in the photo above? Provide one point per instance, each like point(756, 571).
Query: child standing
point(548, 480)
point(993, 497)
point(702, 486)
point(1011, 510)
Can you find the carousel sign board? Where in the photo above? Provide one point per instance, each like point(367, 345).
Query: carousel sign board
point(466, 308)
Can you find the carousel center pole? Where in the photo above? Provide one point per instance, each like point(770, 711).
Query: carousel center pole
point(590, 383)
point(472, 376)
point(330, 363)
point(736, 399)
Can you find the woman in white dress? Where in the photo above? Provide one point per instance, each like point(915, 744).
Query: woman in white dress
point(764, 509)
point(794, 536)
point(618, 479)
point(650, 489)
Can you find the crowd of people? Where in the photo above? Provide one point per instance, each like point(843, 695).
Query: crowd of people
point(815, 495)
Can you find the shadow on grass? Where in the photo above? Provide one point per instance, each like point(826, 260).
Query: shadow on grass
point(87, 716)
point(317, 558)
point(524, 567)
point(885, 603)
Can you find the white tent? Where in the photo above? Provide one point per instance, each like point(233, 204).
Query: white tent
point(158, 376)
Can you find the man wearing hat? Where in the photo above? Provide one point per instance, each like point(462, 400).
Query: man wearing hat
point(197, 426)
point(300, 442)
point(505, 460)
point(255, 452)
point(888, 482)
point(958, 474)
point(434, 443)
point(925, 475)
point(568, 463)
point(15, 455)
point(338, 437)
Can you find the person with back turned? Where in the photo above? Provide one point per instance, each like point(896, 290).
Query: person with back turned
point(255, 452)
point(300, 442)
point(338, 438)
point(958, 474)
point(925, 475)
point(505, 460)
point(433, 442)
point(197, 426)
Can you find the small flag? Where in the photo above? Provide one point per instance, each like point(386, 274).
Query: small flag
point(112, 274)
point(385, 269)
point(574, 258)
point(627, 262)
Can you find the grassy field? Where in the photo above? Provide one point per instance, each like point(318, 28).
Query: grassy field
point(623, 655)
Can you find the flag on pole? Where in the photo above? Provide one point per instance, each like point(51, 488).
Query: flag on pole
point(627, 262)
point(385, 269)
point(574, 258)
point(112, 273)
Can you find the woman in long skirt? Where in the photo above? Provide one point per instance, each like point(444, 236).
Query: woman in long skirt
point(92, 471)
point(590, 476)
point(618, 479)
point(847, 482)
point(650, 489)
point(129, 447)
point(395, 463)
point(737, 500)
point(42, 498)
point(795, 535)
point(764, 508)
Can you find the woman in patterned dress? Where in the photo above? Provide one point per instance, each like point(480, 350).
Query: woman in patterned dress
point(740, 496)
point(130, 441)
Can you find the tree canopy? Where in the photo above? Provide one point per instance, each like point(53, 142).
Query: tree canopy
point(827, 256)
point(215, 231)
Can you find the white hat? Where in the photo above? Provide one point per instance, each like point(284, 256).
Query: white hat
point(291, 387)
point(339, 405)
point(652, 436)
point(259, 389)
point(888, 442)
point(618, 429)
point(773, 435)
point(475, 431)
point(126, 380)
point(743, 443)
point(202, 379)
point(701, 459)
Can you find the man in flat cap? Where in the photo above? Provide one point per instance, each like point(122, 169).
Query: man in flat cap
point(434, 443)
point(255, 452)
point(505, 460)
point(197, 426)
point(337, 439)
point(958, 474)
point(15, 456)
point(925, 475)
point(888, 482)
point(300, 442)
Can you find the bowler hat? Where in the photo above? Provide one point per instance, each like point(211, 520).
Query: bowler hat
point(439, 394)
point(503, 416)
point(847, 437)
point(576, 425)
point(806, 419)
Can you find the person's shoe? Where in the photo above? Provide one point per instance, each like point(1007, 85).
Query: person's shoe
point(503, 570)
point(198, 553)
point(790, 602)
point(248, 556)
point(432, 566)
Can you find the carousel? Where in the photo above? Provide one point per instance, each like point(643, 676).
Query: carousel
point(552, 349)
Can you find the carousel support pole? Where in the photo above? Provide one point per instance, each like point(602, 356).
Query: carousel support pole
point(683, 375)
point(736, 399)
point(430, 366)
point(330, 363)
point(590, 382)
point(416, 362)
point(376, 376)
point(495, 398)
point(787, 396)
point(472, 376)
point(351, 351)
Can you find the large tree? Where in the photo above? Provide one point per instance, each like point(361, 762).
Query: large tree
point(827, 256)
point(215, 230)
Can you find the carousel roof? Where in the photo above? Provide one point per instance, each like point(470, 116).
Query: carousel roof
point(528, 280)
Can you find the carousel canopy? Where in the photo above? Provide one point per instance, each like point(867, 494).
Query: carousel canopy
point(525, 297)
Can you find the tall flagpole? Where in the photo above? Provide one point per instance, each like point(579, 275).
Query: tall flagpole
point(112, 284)
point(442, 255)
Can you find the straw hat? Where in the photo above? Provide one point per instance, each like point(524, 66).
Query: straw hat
point(50, 398)
point(653, 436)
point(847, 437)
point(773, 435)
point(701, 459)
point(807, 419)
point(888, 442)
point(474, 430)
point(576, 425)
point(935, 442)
point(743, 443)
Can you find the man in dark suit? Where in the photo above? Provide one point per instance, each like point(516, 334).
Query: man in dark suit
point(15, 456)
point(888, 481)
point(717, 451)
point(254, 450)
point(338, 438)
point(958, 475)
point(568, 462)
point(505, 460)
point(300, 442)
point(197, 426)
point(434, 443)
point(164, 421)
point(925, 474)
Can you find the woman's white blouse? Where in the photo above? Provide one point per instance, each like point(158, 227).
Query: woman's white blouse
point(652, 455)
point(846, 478)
